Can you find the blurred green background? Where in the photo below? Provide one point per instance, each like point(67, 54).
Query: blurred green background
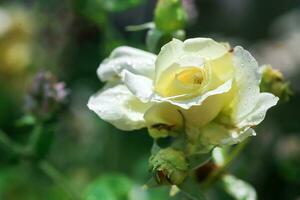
point(71, 37)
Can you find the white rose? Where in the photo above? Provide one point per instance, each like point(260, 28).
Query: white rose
point(198, 86)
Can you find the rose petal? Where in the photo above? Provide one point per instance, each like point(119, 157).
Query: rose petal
point(219, 134)
point(168, 55)
point(205, 47)
point(195, 101)
point(119, 107)
point(247, 80)
point(163, 119)
point(134, 60)
point(257, 115)
point(140, 86)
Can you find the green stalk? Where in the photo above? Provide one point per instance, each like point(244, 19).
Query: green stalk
point(58, 179)
point(9, 145)
point(217, 173)
point(45, 166)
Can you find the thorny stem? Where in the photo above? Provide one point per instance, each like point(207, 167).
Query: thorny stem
point(217, 173)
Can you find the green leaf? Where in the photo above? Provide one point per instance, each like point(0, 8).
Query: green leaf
point(238, 189)
point(191, 189)
point(198, 159)
point(152, 39)
point(26, 120)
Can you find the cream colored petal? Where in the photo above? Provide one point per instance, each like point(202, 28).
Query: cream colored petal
point(163, 119)
point(257, 115)
point(205, 47)
point(241, 135)
point(223, 67)
point(168, 55)
point(119, 107)
point(219, 134)
point(195, 101)
point(247, 79)
point(171, 53)
point(134, 60)
point(191, 61)
point(140, 86)
point(198, 116)
point(180, 77)
point(248, 106)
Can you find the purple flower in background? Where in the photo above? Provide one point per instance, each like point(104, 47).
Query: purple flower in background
point(46, 95)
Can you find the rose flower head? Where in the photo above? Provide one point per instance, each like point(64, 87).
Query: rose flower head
point(198, 87)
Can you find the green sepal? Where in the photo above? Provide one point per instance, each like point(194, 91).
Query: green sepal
point(140, 27)
point(198, 159)
point(152, 39)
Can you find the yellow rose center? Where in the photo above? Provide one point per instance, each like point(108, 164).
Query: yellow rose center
point(191, 76)
point(183, 81)
point(187, 77)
